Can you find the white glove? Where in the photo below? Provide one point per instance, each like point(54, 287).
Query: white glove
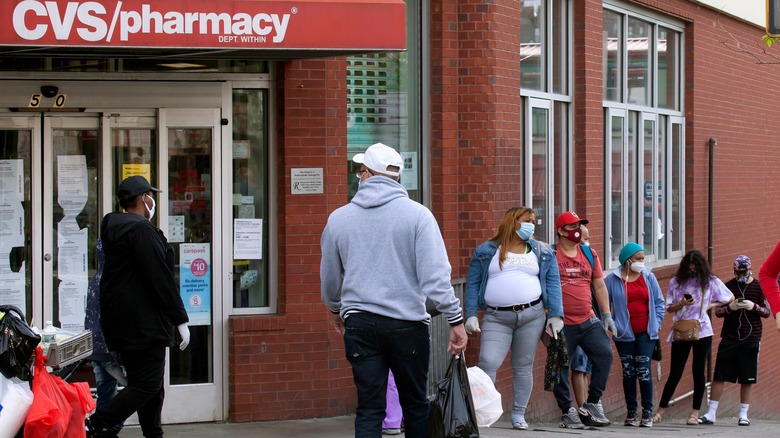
point(554, 326)
point(184, 332)
point(472, 325)
point(609, 323)
point(747, 305)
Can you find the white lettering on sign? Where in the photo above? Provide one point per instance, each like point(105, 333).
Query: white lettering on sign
point(92, 22)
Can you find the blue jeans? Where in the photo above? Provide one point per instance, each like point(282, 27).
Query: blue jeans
point(375, 344)
point(635, 359)
point(594, 341)
point(520, 330)
point(108, 375)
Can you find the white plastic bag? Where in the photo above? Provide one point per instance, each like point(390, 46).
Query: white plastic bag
point(487, 400)
point(16, 398)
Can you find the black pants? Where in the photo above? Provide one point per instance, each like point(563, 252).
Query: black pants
point(144, 392)
point(680, 352)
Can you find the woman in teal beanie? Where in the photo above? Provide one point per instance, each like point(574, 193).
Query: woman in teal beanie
point(638, 309)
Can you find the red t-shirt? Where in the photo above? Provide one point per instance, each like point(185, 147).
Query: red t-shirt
point(638, 303)
point(576, 277)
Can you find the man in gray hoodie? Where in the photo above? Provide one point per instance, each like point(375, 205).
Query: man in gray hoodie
point(382, 257)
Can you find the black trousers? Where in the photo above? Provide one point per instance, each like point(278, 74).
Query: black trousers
point(680, 353)
point(144, 392)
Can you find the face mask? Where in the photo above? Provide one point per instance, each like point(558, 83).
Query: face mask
point(574, 235)
point(526, 230)
point(693, 274)
point(150, 210)
point(586, 243)
point(637, 266)
point(743, 280)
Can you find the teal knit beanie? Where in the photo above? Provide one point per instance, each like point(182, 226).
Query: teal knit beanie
point(629, 250)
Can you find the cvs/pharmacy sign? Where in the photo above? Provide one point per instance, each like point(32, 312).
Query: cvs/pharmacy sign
point(302, 24)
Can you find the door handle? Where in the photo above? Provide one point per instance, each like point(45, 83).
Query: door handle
point(47, 257)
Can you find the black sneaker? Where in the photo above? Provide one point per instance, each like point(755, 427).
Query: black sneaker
point(632, 419)
point(647, 418)
point(591, 415)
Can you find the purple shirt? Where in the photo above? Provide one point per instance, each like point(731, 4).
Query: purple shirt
point(715, 292)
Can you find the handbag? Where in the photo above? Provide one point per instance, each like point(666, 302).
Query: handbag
point(687, 330)
point(556, 363)
point(17, 344)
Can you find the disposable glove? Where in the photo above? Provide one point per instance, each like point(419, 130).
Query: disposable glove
point(472, 325)
point(554, 326)
point(184, 332)
point(609, 323)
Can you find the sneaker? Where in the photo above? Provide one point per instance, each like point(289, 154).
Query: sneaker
point(391, 431)
point(592, 414)
point(632, 419)
point(647, 418)
point(519, 425)
point(571, 420)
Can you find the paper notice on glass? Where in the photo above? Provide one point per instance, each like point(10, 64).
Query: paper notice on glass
point(195, 282)
point(11, 225)
point(12, 285)
point(71, 251)
point(175, 229)
point(72, 189)
point(145, 170)
point(248, 279)
point(409, 175)
point(73, 301)
point(12, 180)
point(248, 239)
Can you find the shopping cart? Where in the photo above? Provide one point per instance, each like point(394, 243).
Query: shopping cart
point(66, 355)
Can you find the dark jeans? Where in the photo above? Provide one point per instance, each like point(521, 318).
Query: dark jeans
point(107, 376)
point(144, 393)
point(680, 352)
point(635, 359)
point(373, 344)
point(593, 339)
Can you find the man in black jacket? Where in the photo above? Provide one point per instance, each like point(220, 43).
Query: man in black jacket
point(139, 307)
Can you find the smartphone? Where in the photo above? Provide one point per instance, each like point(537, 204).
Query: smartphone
point(739, 300)
point(688, 296)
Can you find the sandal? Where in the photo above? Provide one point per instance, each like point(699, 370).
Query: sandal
point(692, 421)
point(657, 418)
point(743, 422)
point(704, 420)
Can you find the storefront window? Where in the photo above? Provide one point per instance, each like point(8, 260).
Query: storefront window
point(533, 56)
point(384, 104)
point(645, 184)
point(250, 200)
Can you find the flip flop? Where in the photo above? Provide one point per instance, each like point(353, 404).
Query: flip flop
point(704, 420)
point(743, 422)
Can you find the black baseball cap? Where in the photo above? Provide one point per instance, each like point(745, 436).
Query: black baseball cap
point(133, 186)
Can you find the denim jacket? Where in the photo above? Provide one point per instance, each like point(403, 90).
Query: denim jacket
point(548, 278)
point(619, 305)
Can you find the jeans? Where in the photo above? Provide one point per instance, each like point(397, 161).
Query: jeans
point(108, 375)
point(502, 329)
point(635, 359)
point(375, 344)
point(680, 353)
point(594, 341)
point(144, 393)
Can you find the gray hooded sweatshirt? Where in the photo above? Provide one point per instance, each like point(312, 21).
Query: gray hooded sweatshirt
point(383, 254)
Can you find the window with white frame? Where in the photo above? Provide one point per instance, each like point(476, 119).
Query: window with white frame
point(545, 75)
point(644, 134)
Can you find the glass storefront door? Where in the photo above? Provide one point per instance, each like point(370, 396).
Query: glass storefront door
point(58, 177)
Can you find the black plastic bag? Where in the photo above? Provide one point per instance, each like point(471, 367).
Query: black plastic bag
point(452, 411)
point(17, 344)
point(657, 350)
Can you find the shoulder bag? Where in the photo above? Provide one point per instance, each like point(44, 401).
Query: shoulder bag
point(687, 330)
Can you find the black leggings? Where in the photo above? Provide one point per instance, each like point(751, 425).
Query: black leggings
point(680, 352)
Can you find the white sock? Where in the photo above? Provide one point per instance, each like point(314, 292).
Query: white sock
point(713, 409)
point(743, 408)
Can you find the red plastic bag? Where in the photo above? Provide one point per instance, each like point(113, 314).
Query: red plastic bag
point(58, 408)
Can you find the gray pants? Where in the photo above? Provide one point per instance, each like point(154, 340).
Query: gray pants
point(502, 329)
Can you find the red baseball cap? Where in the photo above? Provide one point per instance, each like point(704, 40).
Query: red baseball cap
point(568, 218)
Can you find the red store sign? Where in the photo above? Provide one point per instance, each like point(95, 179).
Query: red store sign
point(206, 24)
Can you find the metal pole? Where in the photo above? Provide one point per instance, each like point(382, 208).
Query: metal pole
point(713, 142)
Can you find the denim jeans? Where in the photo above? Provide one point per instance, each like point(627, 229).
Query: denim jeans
point(375, 344)
point(594, 341)
point(108, 375)
point(502, 329)
point(635, 359)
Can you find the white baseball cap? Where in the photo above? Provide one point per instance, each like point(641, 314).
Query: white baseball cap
point(378, 157)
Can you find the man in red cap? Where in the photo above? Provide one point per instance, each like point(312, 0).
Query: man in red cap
point(582, 328)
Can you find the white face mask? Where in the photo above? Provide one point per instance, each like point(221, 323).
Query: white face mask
point(150, 210)
point(637, 266)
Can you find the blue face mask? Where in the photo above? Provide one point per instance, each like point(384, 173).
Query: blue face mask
point(526, 230)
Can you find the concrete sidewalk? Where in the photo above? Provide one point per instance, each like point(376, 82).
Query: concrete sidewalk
point(342, 427)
